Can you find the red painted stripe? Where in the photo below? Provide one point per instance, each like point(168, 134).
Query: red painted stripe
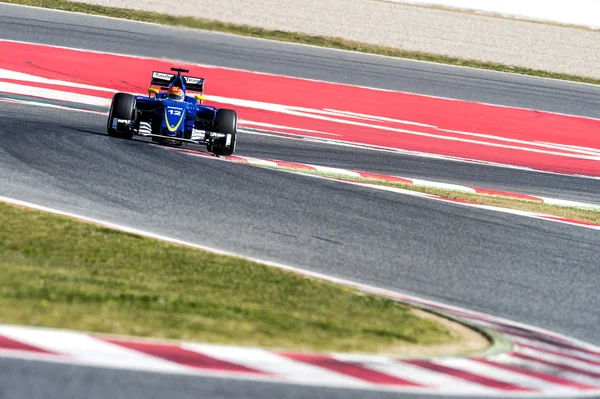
point(558, 353)
point(559, 366)
point(368, 175)
point(507, 194)
point(177, 354)
point(571, 221)
point(11, 344)
point(293, 165)
point(536, 374)
point(467, 376)
point(350, 369)
point(234, 158)
point(444, 118)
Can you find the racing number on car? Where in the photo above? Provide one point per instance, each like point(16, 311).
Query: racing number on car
point(176, 112)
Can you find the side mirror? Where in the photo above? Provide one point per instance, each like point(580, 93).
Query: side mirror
point(152, 91)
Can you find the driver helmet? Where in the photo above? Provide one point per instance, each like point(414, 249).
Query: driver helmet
point(175, 94)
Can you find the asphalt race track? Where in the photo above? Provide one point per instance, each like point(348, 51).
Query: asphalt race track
point(125, 37)
point(538, 272)
point(104, 34)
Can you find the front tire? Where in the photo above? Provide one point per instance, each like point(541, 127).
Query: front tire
point(122, 107)
point(225, 123)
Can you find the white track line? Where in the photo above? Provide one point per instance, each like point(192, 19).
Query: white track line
point(80, 347)
point(272, 363)
point(434, 379)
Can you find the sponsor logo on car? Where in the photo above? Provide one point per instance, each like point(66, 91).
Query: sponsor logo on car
point(159, 75)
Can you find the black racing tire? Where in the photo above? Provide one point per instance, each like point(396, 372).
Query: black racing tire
point(122, 107)
point(226, 123)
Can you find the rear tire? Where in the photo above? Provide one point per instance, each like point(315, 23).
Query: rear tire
point(225, 123)
point(122, 107)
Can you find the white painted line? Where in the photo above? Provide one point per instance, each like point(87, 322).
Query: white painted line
point(337, 171)
point(575, 204)
point(260, 162)
point(83, 348)
point(543, 345)
point(244, 122)
point(25, 90)
point(584, 150)
point(140, 362)
point(39, 104)
point(503, 375)
point(431, 378)
point(581, 365)
point(543, 368)
point(25, 77)
point(377, 118)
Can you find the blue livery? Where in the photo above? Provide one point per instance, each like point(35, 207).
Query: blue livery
point(170, 116)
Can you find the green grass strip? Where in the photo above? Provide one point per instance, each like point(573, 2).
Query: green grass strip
point(60, 272)
point(294, 37)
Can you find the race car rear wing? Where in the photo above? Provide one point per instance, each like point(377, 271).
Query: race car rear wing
point(163, 80)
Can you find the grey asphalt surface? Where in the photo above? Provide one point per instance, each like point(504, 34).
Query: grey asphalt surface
point(537, 272)
point(47, 380)
point(404, 26)
point(528, 270)
point(127, 37)
point(119, 36)
point(473, 175)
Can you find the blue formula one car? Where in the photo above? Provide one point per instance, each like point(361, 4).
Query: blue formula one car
point(173, 117)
